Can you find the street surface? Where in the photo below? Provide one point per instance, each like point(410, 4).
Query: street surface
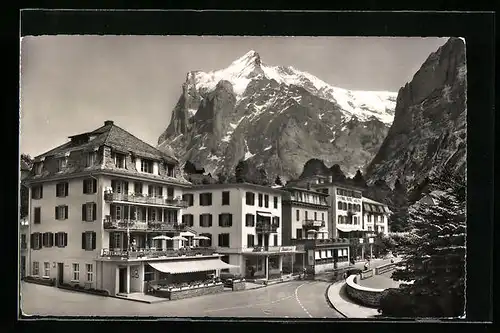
point(294, 299)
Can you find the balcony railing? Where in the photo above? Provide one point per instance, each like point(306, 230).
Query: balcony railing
point(24, 245)
point(147, 253)
point(313, 223)
point(257, 248)
point(266, 228)
point(144, 199)
point(142, 225)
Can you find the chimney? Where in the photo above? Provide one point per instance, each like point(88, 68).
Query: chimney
point(108, 122)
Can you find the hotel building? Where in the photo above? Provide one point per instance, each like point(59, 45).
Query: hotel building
point(243, 222)
point(106, 213)
point(24, 229)
point(375, 217)
point(305, 216)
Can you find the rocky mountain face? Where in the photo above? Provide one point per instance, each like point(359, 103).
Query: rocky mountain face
point(428, 134)
point(276, 118)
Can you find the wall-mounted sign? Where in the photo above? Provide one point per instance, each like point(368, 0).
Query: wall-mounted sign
point(287, 248)
point(370, 240)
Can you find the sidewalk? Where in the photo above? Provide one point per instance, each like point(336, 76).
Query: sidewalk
point(339, 300)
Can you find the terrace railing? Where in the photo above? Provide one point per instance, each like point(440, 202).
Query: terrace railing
point(110, 196)
point(148, 253)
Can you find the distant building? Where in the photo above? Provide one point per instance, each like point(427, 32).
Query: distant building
point(375, 217)
point(243, 222)
point(98, 205)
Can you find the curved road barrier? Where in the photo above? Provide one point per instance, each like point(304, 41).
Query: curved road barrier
point(363, 295)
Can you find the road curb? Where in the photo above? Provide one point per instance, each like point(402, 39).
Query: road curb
point(330, 303)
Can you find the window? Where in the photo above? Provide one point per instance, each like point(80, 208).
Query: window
point(205, 220)
point(339, 205)
point(46, 269)
point(225, 220)
point(322, 216)
point(38, 168)
point(250, 241)
point(381, 229)
point(299, 233)
point(260, 199)
point(249, 220)
point(306, 213)
point(90, 272)
point(205, 199)
point(47, 239)
point(61, 212)
point(76, 272)
point(369, 217)
point(120, 161)
point(119, 186)
point(88, 240)
point(146, 166)
point(187, 219)
point(90, 159)
point(61, 163)
point(355, 218)
point(36, 268)
point(89, 186)
point(37, 217)
point(276, 240)
point(24, 244)
point(170, 192)
point(61, 239)
point(224, 240)
point(297, 213)
point(170, 170)
point(338, 191)
point(349, 206)
point(369, 228)
point(315, 216)
point(340, 219)
point(225, 198)
point(36, 241)
point(152, 216)
point(344, 206)
point(250, 198)
point(155, 191)
point(62, 190)
point(37, 192)
point(89, 212)
point(275, 202)
point(189, 198)
point(138, 188)
point(266, 201)
point(276, 221)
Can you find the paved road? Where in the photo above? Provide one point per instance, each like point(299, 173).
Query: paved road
point(295, 299)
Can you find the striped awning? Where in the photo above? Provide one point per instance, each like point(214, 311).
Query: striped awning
point(179, 267)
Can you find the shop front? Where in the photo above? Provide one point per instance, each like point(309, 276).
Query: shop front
point(269, 264)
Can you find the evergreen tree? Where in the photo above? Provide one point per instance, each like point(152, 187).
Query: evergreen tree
point(398, 221)
point(278, 181)
point(241, 172)
point(222, 178)
point(336, 173)
point(262, 177)
point(434, 254)
point(358, 179)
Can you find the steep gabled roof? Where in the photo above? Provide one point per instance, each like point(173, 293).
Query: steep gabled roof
point(114, 137)
point(24, 166)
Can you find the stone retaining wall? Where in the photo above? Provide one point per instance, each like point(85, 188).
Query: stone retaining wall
point(239, 285)
point(363, 295)
point(385, 268)
point(366, 274)
point(187, 293)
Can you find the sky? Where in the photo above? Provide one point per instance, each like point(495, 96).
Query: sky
point(72, 84)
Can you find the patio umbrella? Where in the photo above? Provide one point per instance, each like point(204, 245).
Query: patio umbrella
point(201, 237)
point(312, 231)
point(187, 234)
point(179, 238)
point(162, 237)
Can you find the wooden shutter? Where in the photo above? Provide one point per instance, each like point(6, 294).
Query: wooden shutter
point(220, 220)
point(57, 239)
point(44, 237)
point(126, 187)
point(32, 241)
point(65, 239)
point(37, 215)
point(58, 194)
point(66, 189)
point(41, 191)
point(51, 239)
point(113, 184)
point(66, 212)
point(85, 186)
point(94, 185)
point(84, 212)
point(83, 241)
point(210, 220)
point(39, 240)
point(220, 240)
point(93, 240)
point(160, 191)
point(150, 190)
point(94, 211)
point(210, 199)
point(230, 220)
point(55, 213)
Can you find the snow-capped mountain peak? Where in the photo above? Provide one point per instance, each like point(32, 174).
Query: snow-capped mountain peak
point(362, 104)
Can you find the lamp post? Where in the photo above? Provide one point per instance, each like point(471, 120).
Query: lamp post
point(370, 240)
point(362, 249)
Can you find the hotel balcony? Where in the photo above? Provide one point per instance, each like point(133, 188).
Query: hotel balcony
point(113, 197)
point(258, 249)
point(113, 224)
point(313, 223)
point(152, 254)
point(266, 228)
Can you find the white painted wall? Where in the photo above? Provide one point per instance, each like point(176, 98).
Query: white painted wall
point(297, 224)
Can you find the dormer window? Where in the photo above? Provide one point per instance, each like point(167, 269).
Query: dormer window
point(146, 166)
point(61, 164)
point(90, 159)
point(170, 169)
point(38, 168)
point(120, 160)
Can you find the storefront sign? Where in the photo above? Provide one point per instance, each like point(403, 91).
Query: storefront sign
point(287, 249)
